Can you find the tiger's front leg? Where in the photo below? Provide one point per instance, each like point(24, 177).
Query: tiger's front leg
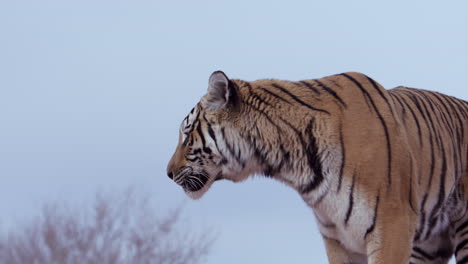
point(390, 240)
point(337, 254)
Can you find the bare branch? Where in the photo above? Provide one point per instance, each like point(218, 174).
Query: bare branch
point(117, 229)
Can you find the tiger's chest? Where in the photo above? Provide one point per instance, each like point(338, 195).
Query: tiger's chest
point(344, 221)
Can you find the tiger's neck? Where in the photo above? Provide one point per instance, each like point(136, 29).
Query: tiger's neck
point(305, 160)
point(288, 142)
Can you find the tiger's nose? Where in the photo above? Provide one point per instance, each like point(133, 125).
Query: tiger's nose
point(170, 174)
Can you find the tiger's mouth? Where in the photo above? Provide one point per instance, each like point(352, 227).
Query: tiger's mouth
point(190, 181)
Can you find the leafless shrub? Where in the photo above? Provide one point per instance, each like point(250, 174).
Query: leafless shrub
point(117, 229)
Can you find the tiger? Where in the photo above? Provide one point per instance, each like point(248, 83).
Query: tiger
point(385, 172)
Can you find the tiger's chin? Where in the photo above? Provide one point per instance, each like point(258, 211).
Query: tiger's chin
point(197, 194)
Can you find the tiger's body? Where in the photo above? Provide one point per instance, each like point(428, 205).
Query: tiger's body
point(385, 172)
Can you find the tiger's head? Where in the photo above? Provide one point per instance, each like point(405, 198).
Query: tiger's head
point(210, 148)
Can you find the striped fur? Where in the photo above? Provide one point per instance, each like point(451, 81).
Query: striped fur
point(385, 171)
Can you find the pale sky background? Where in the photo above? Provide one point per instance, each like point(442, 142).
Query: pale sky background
point(92, 94)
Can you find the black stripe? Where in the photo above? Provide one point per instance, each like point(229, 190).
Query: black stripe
point(418, 126)
point(403, 109)
point(382, 121)
point(200, 133)
point(261, 155)
point(432, 224)
point(463, 260)
point(254, 96)
point(274, 95)
point(198, 112)
point(310, 86)
point(422, 102)
point(376, 87)
point(464, 233)
point(454, 113)
point(196, 151)
point(351, 200)
point(371, 228)
point(460, 107)
point(433, 114)
point(460, 246)
point(263, 113)
point(453, 106)
point(423, 253)
point(259, 99)
point(462, 227)
point(429, 100)
point(311, 152)
point(446, 111)
point(313, 158)
point(231, 149)
point(449, 125)
point(330, 91)
point(212, 134)
point(410, 195)
point(343, 158)
point(191, 126)
point(422, 219)
point(277, 86)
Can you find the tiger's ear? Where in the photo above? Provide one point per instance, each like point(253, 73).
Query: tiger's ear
point(220, 92)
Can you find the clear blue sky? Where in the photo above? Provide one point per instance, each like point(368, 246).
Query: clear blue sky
point(92, 94)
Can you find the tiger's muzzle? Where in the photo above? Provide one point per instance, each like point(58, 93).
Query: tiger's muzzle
point(188, 179)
